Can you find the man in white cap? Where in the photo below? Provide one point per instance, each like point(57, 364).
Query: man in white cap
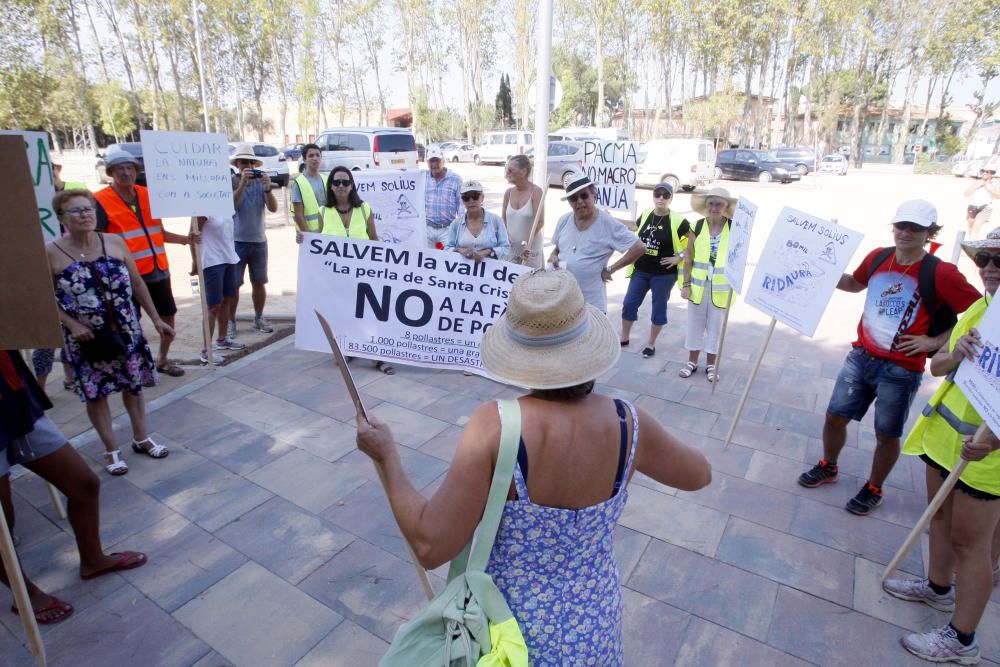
point(442, 198)
point(909, 312)
point(123, 209)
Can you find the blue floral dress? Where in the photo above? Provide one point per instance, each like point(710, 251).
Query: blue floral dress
point(557, 569)
point(80, 289)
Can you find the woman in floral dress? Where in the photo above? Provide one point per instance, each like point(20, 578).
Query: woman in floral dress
point(95, 279)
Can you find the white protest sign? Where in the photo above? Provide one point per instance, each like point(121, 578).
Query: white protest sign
point(979, 380)
point(611, 165)
point(739, 243)
point(37, 146)
point(802, 261)
point(187, 174)
point(422, 307)
point(397, 201)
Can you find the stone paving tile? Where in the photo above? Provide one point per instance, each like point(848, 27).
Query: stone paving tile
point(733, 460)
point(331, 399)
point(213, 659)
point(988, 632)
point(184, 560)
point(629, 547)
point(253, 617)
point(706, 643)
point(473, 386)
point(321, 436)
point(869, 598)
point(766, 438)
point(14, 652)
point(264, 412)
point(240, 448)
point(792, 419)
point(858, 462)
point(186, 420)
point(662, 388)
point(677, 416)
point(221, 393)
point(361, 371)
point(705, 587)
point(420, 467)
point(795, 393)
point(455, 408)
point(308, 481)
point(748, 500)
point(287, 541)
point(369, 586)
point(276, 378)
point(209, 495)
point(869, 537)
point(670, 519)
point(409, 428)
point(405, 392)
point(32, 526)
point(145, 472)
point(780, 557)
point(652, 631)
point(124, 628)
point(126, 510)
point(444, 444)
point(828, 634)
point(348, 645)
point(724, 403)
point(365, 512)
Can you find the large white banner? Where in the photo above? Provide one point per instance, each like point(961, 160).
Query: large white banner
point(611, 165)
point(413, 306)
point(801, 264)
point(397, 201)
point(979, 380)
point(37, 146)
point(187, 174)
point(739, 243)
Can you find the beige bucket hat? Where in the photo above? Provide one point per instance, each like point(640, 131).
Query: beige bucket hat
point(699, 201)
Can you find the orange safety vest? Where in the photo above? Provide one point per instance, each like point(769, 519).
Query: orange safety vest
point(142, 241)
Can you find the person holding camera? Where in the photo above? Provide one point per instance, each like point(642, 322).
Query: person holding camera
point(251, 194)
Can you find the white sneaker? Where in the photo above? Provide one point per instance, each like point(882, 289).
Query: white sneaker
point(231, 329)
point(260, 323)
point(941, 645)
point(216, 358)
point(919, 590)
point(228, 343)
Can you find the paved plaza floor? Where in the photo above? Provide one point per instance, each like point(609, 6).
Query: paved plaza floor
point(271, 543)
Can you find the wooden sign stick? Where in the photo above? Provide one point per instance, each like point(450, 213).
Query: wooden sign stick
point(206, 334)
point(746, 390)
point(352, 388)
point(534, 226)
point(722, 339)
point(949, 483)
point(17, 586)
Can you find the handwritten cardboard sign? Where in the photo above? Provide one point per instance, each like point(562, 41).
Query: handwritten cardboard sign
point(801, 264)
point(36, 145)
point(979, 380)
point(611, 165)
point(739, 243)
point(397, 201)
point(187, 174)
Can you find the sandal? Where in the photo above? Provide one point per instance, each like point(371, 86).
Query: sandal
point(43, 615)
point(171, 369)
point(688, 369)
point(127, 560)
point(647, 352)
point(710, 371)
point(69, 385)
point(385, 368)
point(153, 451)
point(624, 343)
point(117, 466)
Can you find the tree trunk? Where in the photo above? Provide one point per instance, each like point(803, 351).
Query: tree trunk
point(599, 55)
point(174, 57)
point(903, 129)
point(927, 109)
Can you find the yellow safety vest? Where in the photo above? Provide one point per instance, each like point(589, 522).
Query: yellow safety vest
point(679, 243)
point(310, 206)
point(948, 418)
point(74, 185)
point(699, 268)
point(333, 224)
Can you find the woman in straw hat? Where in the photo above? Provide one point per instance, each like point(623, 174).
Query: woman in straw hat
point(964, 534)
point(553, 558)
point(705, 284)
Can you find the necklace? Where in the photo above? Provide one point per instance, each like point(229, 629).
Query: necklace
point(342, 212)
point(892, 261)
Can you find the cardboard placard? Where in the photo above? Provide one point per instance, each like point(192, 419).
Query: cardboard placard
point(979, 380)
point(739, 243)
point(397, 201)
point(612, 165)
point(187, 174)
point(36, 147)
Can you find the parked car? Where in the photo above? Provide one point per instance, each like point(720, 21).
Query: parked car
point(458, 152)
point(498, 147)
point(749, 165)
point(834, 164)
point(803, 157)
point(684, 163)
point(564, 157)
point(973, 167)
point(293, 152)
point(421, 152)
point(135, 148)
point(367, 147)
point(275, 163)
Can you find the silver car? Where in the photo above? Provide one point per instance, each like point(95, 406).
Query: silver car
point(564, 156)
point(454, 152)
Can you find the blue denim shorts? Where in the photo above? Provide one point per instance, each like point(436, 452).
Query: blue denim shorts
point(254, 257)
point(44, 439)
point(864, 379)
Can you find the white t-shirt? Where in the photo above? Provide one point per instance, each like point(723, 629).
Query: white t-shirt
point(586, 253)
point(217, 246)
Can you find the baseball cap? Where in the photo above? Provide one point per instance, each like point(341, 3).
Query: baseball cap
point(471, 186)
point(434, 152)
point(918, 211)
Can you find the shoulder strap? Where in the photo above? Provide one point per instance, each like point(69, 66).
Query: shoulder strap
point(697, 227)
point(926, 284)
point(879, 260)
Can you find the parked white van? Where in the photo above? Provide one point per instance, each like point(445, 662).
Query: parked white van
point(684, 163)
point(367, 147)
point(499, 146)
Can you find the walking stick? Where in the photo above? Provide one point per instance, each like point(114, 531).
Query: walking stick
point(746, 390)
point(722, 339)
point(935, 504)
point(352, 388)
point(17, 586)
point(206, 334)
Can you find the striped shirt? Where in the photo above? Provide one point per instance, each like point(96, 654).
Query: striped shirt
point(442, 200)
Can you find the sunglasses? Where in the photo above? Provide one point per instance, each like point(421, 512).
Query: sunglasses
point(662, 194)
point(580, 196)
point(341, 182)
point(909, 227)
point(470, 196)
point(983, 259)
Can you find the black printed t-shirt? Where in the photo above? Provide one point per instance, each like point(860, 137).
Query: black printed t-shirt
point(659, 244)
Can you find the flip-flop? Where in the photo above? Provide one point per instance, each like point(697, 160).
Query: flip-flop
point(55, 604)
point(171, 369)
point(121, 564)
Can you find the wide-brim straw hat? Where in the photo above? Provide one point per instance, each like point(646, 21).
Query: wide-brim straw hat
point(550, 337)
point(245, 152)
point(699, 201)
point(991, 242)
point(573, 182)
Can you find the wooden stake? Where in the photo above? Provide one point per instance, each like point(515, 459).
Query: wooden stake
point(746, 390)
point(935, 504)
point(534, 225)
point(722, 339)
point(206, 334)
point(57, 501)
point(17, 586)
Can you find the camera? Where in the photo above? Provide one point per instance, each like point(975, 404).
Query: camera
point(255, 173)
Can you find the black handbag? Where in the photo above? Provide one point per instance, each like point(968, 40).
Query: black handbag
point(110, 343)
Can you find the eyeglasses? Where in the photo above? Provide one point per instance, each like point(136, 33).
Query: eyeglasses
point(983, 259)
point(470, 196)
point(662, 194)
point(909, 227)
point(80, 211)
point(341, 182)
point(580, 196)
